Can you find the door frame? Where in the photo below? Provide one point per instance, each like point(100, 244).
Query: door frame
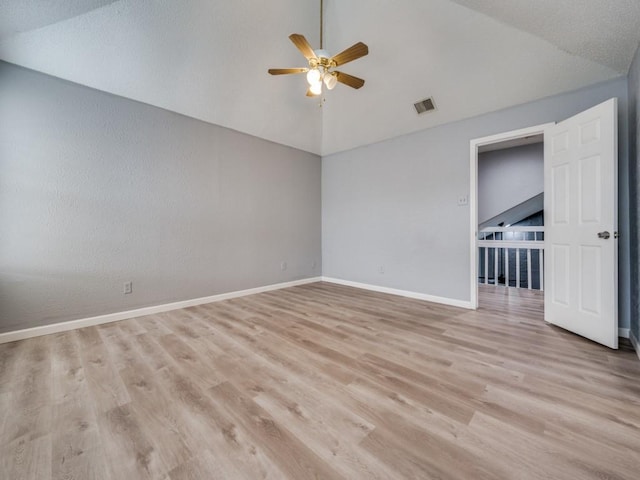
point(473, 195)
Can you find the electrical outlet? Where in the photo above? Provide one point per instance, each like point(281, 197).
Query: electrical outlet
point(128, 288)
point(381, 269)
point(283, 266)
point(463, 200)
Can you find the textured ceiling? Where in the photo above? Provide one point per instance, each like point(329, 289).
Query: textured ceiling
point(208, 59)
point(605, 31)
point(23, 15)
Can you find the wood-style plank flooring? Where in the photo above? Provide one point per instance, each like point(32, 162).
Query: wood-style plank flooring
point(322, 381)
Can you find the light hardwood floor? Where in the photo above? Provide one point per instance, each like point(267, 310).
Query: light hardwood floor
point(322, 381)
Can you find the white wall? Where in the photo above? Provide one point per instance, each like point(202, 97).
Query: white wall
point(508, 177)
point(96, 190)
point(394, 203)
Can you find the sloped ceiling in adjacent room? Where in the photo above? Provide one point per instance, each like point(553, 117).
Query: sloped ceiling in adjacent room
point(209, 59)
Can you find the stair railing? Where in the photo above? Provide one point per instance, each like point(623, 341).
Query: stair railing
point(511, 256)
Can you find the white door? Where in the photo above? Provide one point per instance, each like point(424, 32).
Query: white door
point(581, 218)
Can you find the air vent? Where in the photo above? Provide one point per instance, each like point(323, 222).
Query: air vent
point(424, 106)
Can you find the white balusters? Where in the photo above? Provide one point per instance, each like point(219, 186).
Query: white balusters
point(516, 239)
point(506, 267)
point(529, 268)
point(486, 266)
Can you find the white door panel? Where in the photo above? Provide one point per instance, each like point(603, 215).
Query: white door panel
point(581, 269)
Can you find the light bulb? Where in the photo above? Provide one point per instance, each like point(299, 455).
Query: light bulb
point(316, 88)
point(313, 76)
point(331, 80)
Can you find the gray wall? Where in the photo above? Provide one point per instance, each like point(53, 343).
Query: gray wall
point(96, 190)
point(634, 163)
point(394, 203)
point(508, 177)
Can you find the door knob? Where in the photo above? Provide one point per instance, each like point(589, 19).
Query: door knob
point(604, 235)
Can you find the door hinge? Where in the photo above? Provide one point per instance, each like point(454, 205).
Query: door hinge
point(616, 235)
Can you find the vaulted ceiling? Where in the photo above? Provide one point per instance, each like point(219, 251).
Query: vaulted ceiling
point(209, 59)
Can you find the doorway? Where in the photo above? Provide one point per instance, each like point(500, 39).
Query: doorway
point(503, 255)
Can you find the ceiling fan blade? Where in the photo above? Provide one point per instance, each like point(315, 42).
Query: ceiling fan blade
point(350, 80)
point(350, 54)
point(286, 71)
point(302, 44)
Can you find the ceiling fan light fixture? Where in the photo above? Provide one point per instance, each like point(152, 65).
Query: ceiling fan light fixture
point(331, 80)
point(316, 88)
point(314, 76)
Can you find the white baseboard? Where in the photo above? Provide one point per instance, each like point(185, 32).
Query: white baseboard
point(139, 312)
point(635, 343)
point(623, 332)
point(403, 293)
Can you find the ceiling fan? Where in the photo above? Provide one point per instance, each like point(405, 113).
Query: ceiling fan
point(322, 65)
